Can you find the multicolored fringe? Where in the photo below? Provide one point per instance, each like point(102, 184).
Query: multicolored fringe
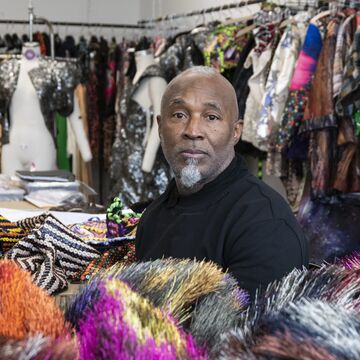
point(197, 294)
point(351, 262)
point(25, 309)
point(307, 315)
point(114, 322)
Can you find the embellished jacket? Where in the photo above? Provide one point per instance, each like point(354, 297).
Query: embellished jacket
point(54, 82)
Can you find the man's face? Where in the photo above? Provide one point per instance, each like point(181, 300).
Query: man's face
point(198, 127)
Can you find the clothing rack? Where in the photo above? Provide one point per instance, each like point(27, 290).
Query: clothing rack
point(77, 24)
point(201, 12)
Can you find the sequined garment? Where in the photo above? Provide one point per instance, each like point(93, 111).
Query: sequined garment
point(186, 51)
point(130, 183)
point(54, 82)
point(260, 60)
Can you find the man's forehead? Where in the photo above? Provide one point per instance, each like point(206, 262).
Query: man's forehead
point(179, 90)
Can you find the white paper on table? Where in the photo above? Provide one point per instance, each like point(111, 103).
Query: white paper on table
point(66, 218)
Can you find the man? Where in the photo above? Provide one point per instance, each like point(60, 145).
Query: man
point(214, 208)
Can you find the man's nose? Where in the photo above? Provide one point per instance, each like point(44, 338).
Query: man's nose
point(193, 129)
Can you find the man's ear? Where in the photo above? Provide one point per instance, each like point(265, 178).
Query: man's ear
point(238, 126)
point(158, 119)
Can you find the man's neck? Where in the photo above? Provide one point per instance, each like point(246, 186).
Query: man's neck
point(186, 191)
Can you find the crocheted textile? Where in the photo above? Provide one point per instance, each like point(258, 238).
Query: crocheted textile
point(10, 234)
point(53, 254)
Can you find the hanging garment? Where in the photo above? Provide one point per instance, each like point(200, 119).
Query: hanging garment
point(108, 122)
point(54, 82)
point(276, 92)
point(300, 85)
point(320, 118)
point(93, 99)
point(62, 159)
point(332, 228)
point(186, 51)
point(131, 184)
point(347, 177)
point(259, 58)
point(344, 41)
point(224, 46)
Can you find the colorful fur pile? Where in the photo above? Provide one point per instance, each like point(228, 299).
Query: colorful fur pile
point(307, 315)
point(199, 295)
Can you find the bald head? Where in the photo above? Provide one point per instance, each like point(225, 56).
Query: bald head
point(220, 85)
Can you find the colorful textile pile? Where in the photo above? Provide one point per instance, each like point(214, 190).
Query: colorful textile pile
point(198, 294)
point(121, 324)
point(121, 222)
point(307, 315)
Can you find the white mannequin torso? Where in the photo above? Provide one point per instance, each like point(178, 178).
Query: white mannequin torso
point(148, 96)
point(31, 146)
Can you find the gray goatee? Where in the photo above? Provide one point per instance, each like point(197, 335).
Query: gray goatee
point(190, 174)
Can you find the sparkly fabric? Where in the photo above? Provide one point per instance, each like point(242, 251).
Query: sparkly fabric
point(276, 90)
point(260, 62)
point(131, 184)
point(186, 51)
point(54, 82)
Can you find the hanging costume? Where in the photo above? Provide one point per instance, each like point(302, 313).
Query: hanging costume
point(131, 183)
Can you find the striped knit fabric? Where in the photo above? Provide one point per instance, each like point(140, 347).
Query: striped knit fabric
point(10, 234)
point(32, 222)
point(53, 254)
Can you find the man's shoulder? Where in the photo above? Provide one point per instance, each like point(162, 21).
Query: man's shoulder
point(252, 199)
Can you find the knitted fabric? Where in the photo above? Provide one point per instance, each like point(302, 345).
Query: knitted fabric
point(124, 253)
point(53, 254)
point(10, 234)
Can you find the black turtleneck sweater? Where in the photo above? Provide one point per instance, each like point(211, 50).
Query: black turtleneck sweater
point(236, 221)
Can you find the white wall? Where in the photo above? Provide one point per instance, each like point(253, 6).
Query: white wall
point(105, 11)
point(157, 8)
point(111, 11)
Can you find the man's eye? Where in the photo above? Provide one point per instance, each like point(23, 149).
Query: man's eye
point(179, 115)
point(213, 117)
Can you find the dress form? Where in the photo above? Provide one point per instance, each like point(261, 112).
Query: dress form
point(149, 95)
point(31, 146)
